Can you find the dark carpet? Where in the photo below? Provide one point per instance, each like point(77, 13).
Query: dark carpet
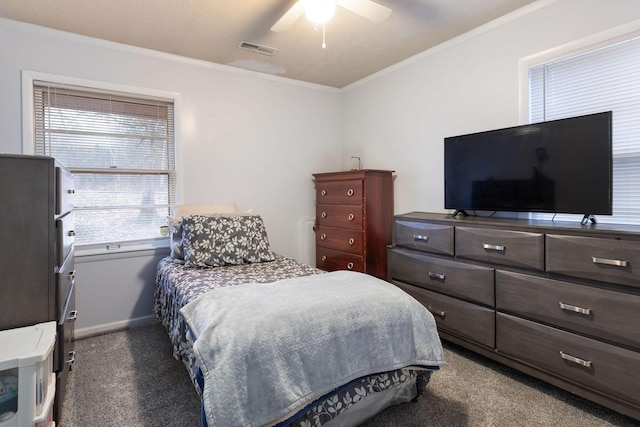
point(130, 379)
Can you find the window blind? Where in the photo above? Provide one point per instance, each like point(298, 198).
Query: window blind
point(121, 151)
point(601, 79)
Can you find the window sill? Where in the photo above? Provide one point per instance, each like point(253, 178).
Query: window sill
point(120, 250)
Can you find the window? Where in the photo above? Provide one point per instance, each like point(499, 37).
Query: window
point(601, 79)
point(121, 151)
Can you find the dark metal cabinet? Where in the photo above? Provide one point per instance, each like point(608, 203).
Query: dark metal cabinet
point(559, 301)
point(37, 279)
point(354, 215)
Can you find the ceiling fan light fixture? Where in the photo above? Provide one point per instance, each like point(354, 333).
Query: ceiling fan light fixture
point(319, 11)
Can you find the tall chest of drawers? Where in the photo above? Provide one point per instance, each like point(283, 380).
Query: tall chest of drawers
point(37, 263)
point(354, 217)
point(559, 301)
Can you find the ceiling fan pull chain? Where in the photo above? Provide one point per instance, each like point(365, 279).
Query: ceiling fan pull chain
point(324, 45)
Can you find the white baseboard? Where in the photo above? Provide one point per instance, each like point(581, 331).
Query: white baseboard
point(112, 327)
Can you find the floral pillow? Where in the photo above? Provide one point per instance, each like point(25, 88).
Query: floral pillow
point(224, 240)
point(175, 222)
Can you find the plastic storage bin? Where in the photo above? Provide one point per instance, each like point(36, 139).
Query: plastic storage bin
point(27, 380)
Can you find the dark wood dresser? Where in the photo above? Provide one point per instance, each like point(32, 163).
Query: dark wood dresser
point(36, 241)
point(354, 217)
point(558, 301)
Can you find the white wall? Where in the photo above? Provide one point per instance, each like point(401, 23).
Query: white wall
point(399, 118)
point(242, 136)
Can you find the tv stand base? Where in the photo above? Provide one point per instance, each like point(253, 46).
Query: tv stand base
point(586, 218)
point(459, 211)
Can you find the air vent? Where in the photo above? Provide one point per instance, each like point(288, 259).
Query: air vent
point(257, 48)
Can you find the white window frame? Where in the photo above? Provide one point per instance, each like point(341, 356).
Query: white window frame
point(604, 38)
point(593, 41)
point(28, 144)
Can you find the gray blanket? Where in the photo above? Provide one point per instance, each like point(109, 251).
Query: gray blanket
point(267, 351)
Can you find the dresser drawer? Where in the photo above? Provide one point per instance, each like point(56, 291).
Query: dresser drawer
point(610, 315)
point(607, 260)
point(341, 239)
point(66, 327)
point(466, 281)
point(346, 216)
point(339, 192)
point(514, 248)
point(64, 354)
point(64, 191)
point(331, 260)
point(65, 278)
point(65, 236)
point(424, 236)
point(458, 317)
point(610, 369)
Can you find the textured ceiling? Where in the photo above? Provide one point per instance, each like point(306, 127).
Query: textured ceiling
point(211, 30)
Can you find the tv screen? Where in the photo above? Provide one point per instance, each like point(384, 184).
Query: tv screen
point(559, 166)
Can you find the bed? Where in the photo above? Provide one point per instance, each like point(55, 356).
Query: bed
point(267, 340)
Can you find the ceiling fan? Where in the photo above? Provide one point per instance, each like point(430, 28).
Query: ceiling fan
point(320, 11)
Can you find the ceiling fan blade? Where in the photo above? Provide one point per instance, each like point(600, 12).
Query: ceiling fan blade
point(289, 18)
point(374, 12)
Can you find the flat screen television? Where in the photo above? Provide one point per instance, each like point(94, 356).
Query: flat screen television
point(558, 166)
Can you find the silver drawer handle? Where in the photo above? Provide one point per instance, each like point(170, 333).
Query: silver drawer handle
point(436, 276)
point(350, 266)
point(575, 309)
point(498, 248)
point(350, 192)
point(351, 217)
point(605, 261)
point(72, 233)
point(72, 358)
point(323, 193)
point(323, 215)
point(323, 236)
point(440, 313)
point(576, 360)
point(73, 315)
point(352, 241)
point(420, 237)
point(324, 258)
